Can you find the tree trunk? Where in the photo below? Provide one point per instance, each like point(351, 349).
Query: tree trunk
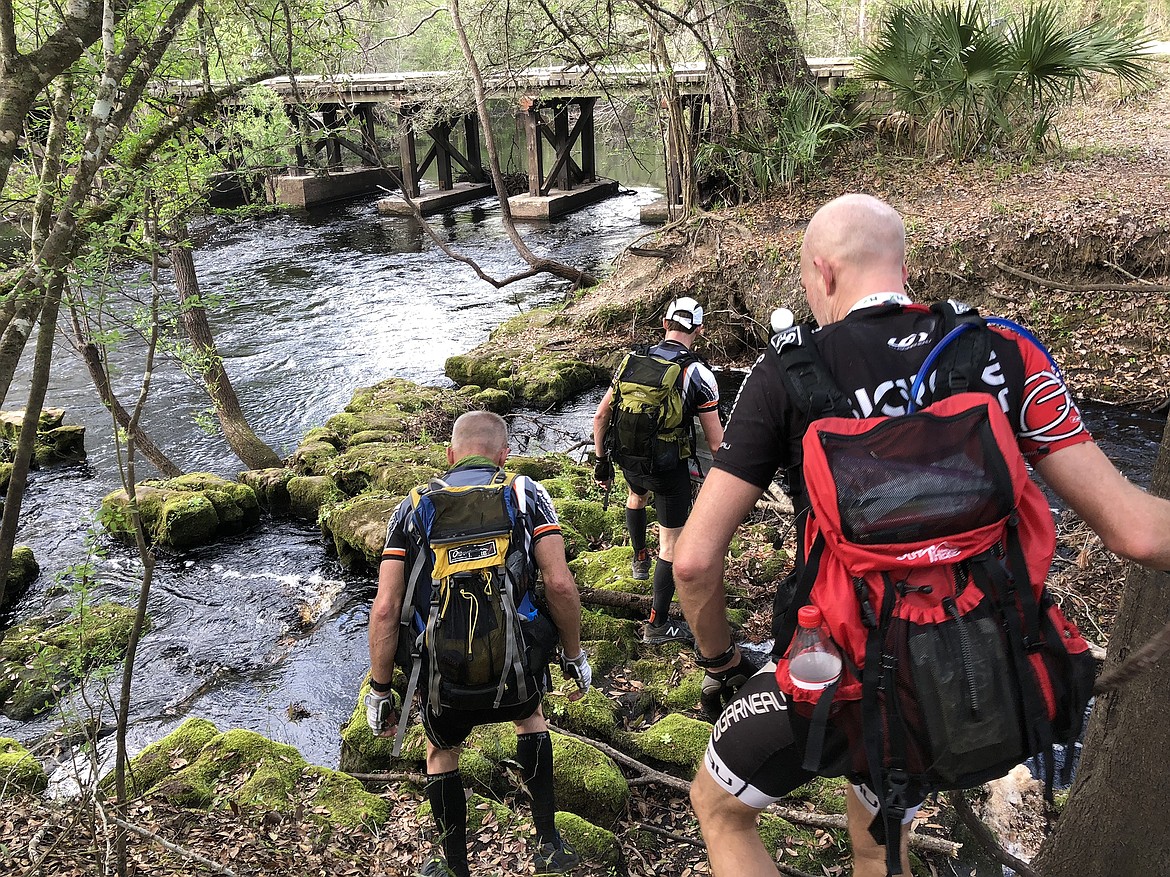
point(105, 391)
point(768, 60)
point(1113, 823)
point(254, 453)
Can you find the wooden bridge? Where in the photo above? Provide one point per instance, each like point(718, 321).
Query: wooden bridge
point(554, 108)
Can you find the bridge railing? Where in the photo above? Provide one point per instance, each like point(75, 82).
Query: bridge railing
point(572, 80)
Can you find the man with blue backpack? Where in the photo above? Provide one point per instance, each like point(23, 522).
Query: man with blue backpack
point(460, 609)
point(902, 433)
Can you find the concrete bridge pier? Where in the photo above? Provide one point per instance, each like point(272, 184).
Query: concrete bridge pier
point(331, 179)
point(445, 156)
point(569, 184)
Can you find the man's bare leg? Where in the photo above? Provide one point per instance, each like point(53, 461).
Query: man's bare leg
point(729, 830)
point(869, 857)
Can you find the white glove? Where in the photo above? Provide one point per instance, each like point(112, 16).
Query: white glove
point(381, 713)
point(579, 670)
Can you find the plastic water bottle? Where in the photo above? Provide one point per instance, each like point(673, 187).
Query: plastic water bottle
point(814, 662)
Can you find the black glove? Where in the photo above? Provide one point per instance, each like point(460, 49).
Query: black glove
point(720, 687)
point(603, 470)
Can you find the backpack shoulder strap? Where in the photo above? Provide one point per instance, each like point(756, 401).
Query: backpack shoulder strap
point(807, 378)
point(811, 387)
point(963, 358)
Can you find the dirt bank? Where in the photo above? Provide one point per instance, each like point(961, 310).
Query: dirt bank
point(1074, 245)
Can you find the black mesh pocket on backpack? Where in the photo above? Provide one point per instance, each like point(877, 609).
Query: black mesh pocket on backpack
point(965, 710)
point(917, 477)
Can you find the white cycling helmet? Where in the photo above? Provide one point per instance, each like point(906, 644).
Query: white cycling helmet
point(685, 311)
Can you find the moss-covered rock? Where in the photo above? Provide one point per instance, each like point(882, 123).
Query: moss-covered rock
point(309, 494)
point(601, 626)
point(184, 512)
point(386, 467)
point(593, 715)
point(21, 574)
point(161, 758)
point(499, 401)
point(270, 487)
point(592, 520)
point(540, 379)
point(608, 570)
point(19, 769)
point(5, 476)
point(55, 443)
point(43, 657)
point(358, 527)
point(675, 739)
point(310, 457)
point(588, 782)
point(362, 752)
point(592, 843)
point(546, 467)
point(253, 771)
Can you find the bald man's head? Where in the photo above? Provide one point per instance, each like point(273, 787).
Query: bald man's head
point(479, 432)
point(859, 243)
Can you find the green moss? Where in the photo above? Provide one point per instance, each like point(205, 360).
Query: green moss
point(183, 512)
point(601, 626)
point(608, 570)
point(605, 655)
point(342, 426)
point(158, 760)
point(499, 401)
point(270, 487)
point(186, 520)
point(685, 695)
point(21, 574)
point(358, 527)
point(19, 769)
point(478, 808)
point(540, 378)
point(675, 739)
point(587, 781)
point(543, 468)
point(323, 434)
point(362, 752)
point(346, 799)
point(41, 658)
point(594, 522)
point(308, 494)
point(595, 845)
point(594, 715)
point(386, 467)
point(310, 458)
point(5, 476)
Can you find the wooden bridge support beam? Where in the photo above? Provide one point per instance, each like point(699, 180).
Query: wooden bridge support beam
point(445, 155)
point(565, 172)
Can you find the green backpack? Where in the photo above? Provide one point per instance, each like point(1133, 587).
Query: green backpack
point(648, 433)
point(476, 637)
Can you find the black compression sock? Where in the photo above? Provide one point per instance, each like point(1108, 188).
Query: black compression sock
point(534, 753)
point(636, 526)
point(663, 590)
point(445, 792)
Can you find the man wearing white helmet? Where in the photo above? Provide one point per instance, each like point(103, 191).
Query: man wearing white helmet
point(662, 469)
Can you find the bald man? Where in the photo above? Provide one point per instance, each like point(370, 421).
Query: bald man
point(476, 455)
point(874, 341)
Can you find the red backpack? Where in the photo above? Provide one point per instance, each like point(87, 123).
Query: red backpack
point(926, 548)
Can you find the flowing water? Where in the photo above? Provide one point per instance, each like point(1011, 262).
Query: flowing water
point(311, 306)
point(266, 631)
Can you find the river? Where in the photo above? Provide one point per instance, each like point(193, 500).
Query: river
point(311, 305)
point(266, 631)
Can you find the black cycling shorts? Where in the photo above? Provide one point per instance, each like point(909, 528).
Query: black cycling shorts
point(757, 747)
point(448, 729)
point(672, 494)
